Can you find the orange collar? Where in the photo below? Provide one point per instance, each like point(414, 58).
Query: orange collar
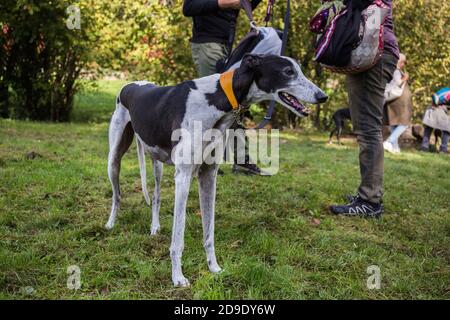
point(226, 82)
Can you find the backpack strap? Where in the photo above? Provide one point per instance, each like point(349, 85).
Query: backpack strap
point(247, 6)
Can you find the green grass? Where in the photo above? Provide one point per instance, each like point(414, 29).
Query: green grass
point(53, 209)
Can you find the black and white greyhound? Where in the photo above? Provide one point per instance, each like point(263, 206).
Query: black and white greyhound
point(153, 113)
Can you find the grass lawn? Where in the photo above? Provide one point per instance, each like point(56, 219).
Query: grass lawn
point(268, 239)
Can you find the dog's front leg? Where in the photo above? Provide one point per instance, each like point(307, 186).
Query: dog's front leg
point(207, 190)
point(183, 177)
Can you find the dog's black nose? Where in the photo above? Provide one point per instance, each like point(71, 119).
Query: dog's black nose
point(321, 97)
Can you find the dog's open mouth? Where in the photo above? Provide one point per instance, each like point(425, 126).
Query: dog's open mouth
point(294, 103)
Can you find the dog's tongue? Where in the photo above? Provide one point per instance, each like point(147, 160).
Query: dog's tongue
point(299, 106)
point(295, 103)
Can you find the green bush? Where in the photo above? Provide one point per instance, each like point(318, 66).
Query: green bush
point(41, 58)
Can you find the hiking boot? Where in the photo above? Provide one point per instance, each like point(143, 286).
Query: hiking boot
point(359, 207)
point(247, 168)
point(423, 149)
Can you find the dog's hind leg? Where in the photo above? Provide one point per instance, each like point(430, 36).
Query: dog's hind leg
point(156, 204)
point(330, 140)
point(339, 132)
point(120, 138)
point(207, 191)
point(183, 177)
point(142, 169)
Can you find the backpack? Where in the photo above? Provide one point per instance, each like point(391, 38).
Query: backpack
point(350, 34)
point(442, 97)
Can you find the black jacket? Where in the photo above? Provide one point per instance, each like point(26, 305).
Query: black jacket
point(211, 23)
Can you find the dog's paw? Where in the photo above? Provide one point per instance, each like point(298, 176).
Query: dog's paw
point(181, 282)
point(154, 230)
point(109, 225)
point(215, 269)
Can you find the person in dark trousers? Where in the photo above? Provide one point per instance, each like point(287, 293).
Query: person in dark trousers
point(214, 27)
point(366, 99)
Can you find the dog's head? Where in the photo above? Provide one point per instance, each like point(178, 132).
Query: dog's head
point(272, 77)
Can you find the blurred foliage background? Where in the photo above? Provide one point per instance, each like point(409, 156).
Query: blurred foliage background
point(149, 39)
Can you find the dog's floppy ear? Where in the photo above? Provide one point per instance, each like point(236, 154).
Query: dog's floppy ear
point(246, 74)
point(251, 60)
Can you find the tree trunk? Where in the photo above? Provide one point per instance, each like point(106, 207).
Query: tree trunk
point(317, 117)
point(4, 101)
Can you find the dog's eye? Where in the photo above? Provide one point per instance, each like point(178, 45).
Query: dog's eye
point(289, 72)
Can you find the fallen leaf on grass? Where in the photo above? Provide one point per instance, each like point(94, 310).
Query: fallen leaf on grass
point(236, 244)
point(315, 222)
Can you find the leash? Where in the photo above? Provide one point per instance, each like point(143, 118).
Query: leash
point(246, 5)
point(287, 18)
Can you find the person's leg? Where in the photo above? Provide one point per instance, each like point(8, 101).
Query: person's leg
point(444, 141)
point(426, 138)
point(366, 99)
point(388, 145)
point(396, 132)
point(366, 95)
point(247, 166)
point(240, 140)
point(206, 55)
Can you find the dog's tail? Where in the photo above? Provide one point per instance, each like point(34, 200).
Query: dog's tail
point(141, 157)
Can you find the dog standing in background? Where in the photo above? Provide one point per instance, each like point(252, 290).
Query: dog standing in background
point(339, 118)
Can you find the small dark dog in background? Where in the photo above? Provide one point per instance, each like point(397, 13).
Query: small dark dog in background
point(339, 118)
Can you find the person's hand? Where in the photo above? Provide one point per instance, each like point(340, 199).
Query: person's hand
point(230, 4)
point(406, 77)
